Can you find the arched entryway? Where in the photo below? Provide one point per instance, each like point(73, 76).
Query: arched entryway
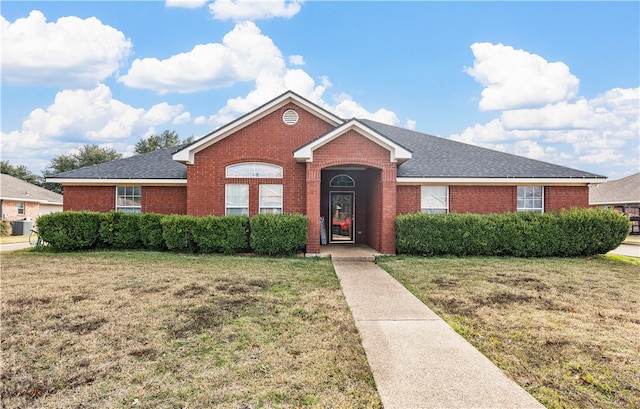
point(351, 204)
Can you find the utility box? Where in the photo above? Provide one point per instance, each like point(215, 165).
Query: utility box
point(21, 227)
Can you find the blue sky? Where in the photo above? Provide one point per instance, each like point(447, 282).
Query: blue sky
point(554, 81)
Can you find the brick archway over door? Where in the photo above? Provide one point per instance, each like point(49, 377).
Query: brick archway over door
point(348, 150)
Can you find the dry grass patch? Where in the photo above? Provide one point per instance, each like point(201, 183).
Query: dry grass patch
point(565, 329)
point(155, 330)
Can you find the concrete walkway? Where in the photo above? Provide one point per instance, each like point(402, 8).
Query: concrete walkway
point(417, 360)
point(13, 247)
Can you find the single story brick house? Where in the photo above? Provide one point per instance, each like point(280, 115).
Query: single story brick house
point(21, 200)
point(350, 177)
point(621, 195)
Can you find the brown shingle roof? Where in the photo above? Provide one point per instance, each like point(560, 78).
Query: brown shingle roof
point(17, 189)
point(621, 191)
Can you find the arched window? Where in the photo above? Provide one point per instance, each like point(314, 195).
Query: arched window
point(342, 181)
point(254, 170)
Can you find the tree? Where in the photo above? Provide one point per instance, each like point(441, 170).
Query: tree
point(166, 139)
point(20, 172)
point(86, 156)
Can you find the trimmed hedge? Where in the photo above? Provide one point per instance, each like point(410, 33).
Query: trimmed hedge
point(209, 234)
point(576, 232)
point(176, 233)
point(273, 234)
point(151, 231)
point(67, 231)
point(121, 230)
point(284, 234)
point(228, 234)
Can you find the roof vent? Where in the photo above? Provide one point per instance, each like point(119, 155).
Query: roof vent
point(290, 117)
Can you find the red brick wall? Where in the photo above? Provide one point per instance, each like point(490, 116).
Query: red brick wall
point(482, 199)
point(94, 198)
point(267, 140)
point(354, 149)
point(155, 199)
point(494, 199)
point(565, 197)
point(164, 199)
point(408, 199)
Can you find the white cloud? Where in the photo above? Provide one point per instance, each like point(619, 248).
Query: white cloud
point(518, 79)
point(240, 10)
point(348, 108)
point(542, 117)
point(601, 131)
point(243, 54)
point(79, 117)
point(563, 115)
point(296, 60)
point(187, 4)
point(72, 50)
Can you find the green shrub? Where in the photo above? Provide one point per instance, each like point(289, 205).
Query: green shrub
point(567, 233)
point(282, 234)
point(177, 233)
point(121, 230)
point(151, 231)
point(67, 231)
point(226, 234)
point(5, 228)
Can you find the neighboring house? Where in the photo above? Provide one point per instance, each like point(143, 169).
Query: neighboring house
point(21, 200)
point(351, 178)
point(622, 195)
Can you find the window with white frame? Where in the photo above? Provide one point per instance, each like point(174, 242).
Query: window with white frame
point(236, 199)
point(129, 199)
point(270, 198)
point(254, 170)
point(530, 199)
point(434, 199)
point(20, 208)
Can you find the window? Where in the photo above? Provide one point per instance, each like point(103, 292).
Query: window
point(20, 208)
point(342, 181)
point(530, 199)
point(129, 199)
point(434, 199)
point(237, 200)
point(270, 198)
point(254, 170)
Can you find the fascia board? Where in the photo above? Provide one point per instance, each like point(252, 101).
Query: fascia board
point(40, 201)
point(616, 202)
point(187, 155)
point(397, 153)
point(498, 181)
point(112, 182)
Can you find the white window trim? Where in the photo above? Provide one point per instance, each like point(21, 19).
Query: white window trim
point(255, 174)
point(129, 209)
point(245, 206)
point(434, 210)
point(261, 207)
point(530, 209)
point(21, 209)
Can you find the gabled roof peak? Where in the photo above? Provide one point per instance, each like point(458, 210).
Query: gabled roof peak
point(187, 154)
point(396, 151)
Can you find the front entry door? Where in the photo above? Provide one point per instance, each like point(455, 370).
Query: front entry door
point(342, 211)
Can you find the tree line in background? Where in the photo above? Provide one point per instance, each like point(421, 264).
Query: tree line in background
point(88, 155)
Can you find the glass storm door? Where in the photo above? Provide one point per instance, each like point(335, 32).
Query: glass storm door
point(341, 219)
